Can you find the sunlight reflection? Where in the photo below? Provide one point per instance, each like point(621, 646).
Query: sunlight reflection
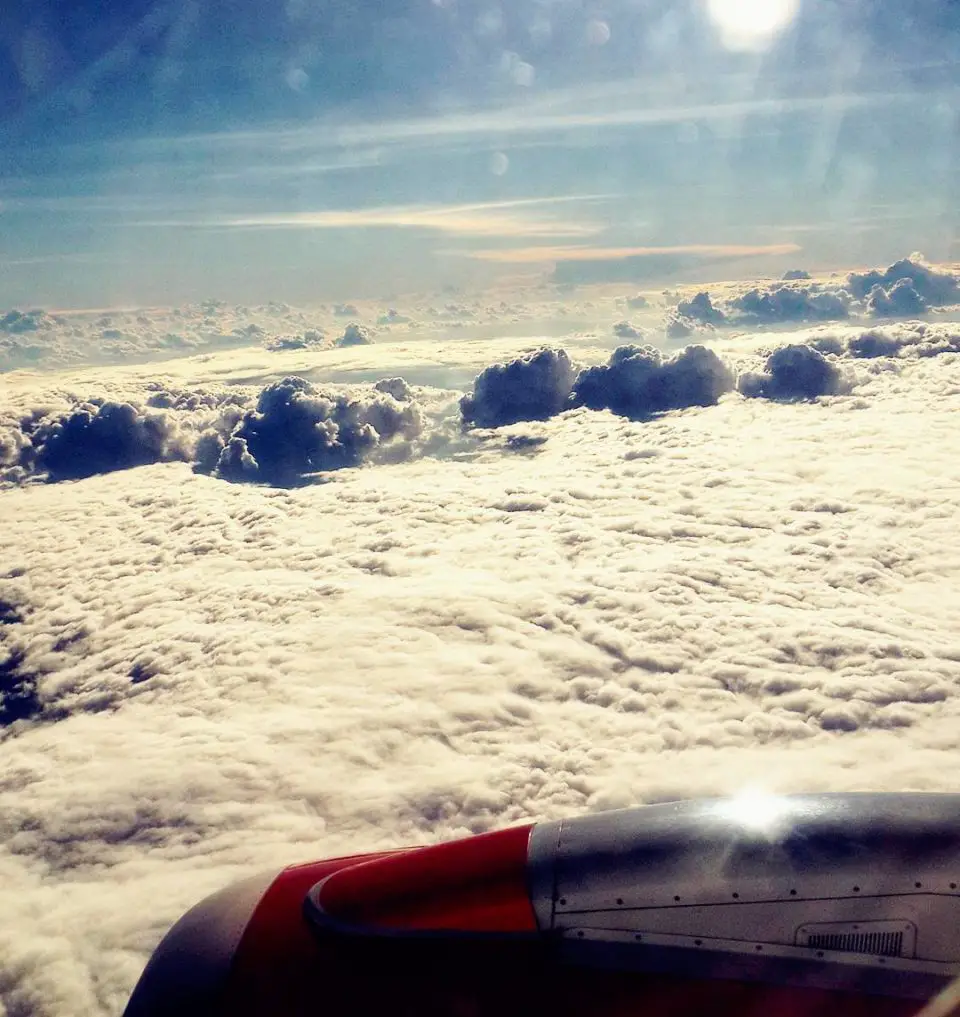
point(757, 810)
point(751, 24)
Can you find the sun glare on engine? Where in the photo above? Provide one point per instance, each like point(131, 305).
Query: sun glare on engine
point(755, 809)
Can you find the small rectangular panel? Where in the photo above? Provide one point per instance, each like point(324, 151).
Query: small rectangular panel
point(882, 939)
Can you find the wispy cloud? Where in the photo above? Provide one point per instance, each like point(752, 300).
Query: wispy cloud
point(533, 255)
point(612, 105)
point(537, 119)
point(526, 217)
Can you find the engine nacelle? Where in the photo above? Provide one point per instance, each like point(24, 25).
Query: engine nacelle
point(820, 904)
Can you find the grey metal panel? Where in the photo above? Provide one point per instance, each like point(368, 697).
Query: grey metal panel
point(929, 923)
point(760, 868)
point(541, 870)
point(718, 959)
point(189, 968)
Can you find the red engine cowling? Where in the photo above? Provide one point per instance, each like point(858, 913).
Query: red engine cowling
point(836, 904)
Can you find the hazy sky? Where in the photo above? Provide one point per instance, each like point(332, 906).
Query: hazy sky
point(156, 151)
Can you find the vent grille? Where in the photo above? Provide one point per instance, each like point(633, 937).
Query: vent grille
point(881, 944)
point(874, 938)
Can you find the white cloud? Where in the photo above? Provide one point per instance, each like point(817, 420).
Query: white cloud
point(575, 613)
point(520, 218)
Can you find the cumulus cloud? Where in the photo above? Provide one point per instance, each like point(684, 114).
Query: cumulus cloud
point(396, 387)
point(309, 339)
point(393, 317)
point(793, 372)
point(700, 308)
point(533, 387)
point(933, 287)
point(17, 322)
point(290, 430)
point(356, 335)
point(297, 430)
point(901, 300)
point(99, 439)
point(907, 340)
point(678, 327)
point(793, 274)
point(637, 303)
point(624, 330)
point(638, 381)
point(783, 302)
point(872, 344)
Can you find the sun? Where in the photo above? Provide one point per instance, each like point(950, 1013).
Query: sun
point(751, 24)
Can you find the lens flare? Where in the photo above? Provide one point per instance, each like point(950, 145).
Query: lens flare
point(756, 810)
point(751, 24)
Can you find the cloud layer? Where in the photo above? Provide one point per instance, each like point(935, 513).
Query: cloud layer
point(228, 677)
point(667, 590)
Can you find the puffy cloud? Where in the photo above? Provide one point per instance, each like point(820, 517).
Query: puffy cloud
point(296, 430)
point(311, 338)
point(533, 387)
point(638, 303)
point(874, 343)
point(393, 317)
point(793, 372)
point(356, 335)
point(100, 439)
point(396, 387)
point(678, 327)
point(624, 330)
point(638, 381)
point(794, 274)
point(16, 451)
point(908, 340)
point(932, 341)
point(18, 322)
point(290, 430)
point(783, 302)
point(346, 311)
point(828, 344)
point(167, 397)
point(901, 300)
point(700, 308)
point(934, 287)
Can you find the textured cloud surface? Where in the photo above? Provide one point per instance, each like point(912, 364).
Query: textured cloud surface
point(201, 679)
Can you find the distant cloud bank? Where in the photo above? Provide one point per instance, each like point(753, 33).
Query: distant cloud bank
point(293, 429)
point(907, 288)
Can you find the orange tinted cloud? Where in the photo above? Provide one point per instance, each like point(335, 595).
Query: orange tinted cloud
point(531, 255)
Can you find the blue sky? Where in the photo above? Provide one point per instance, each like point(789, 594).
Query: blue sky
point(158, 152)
